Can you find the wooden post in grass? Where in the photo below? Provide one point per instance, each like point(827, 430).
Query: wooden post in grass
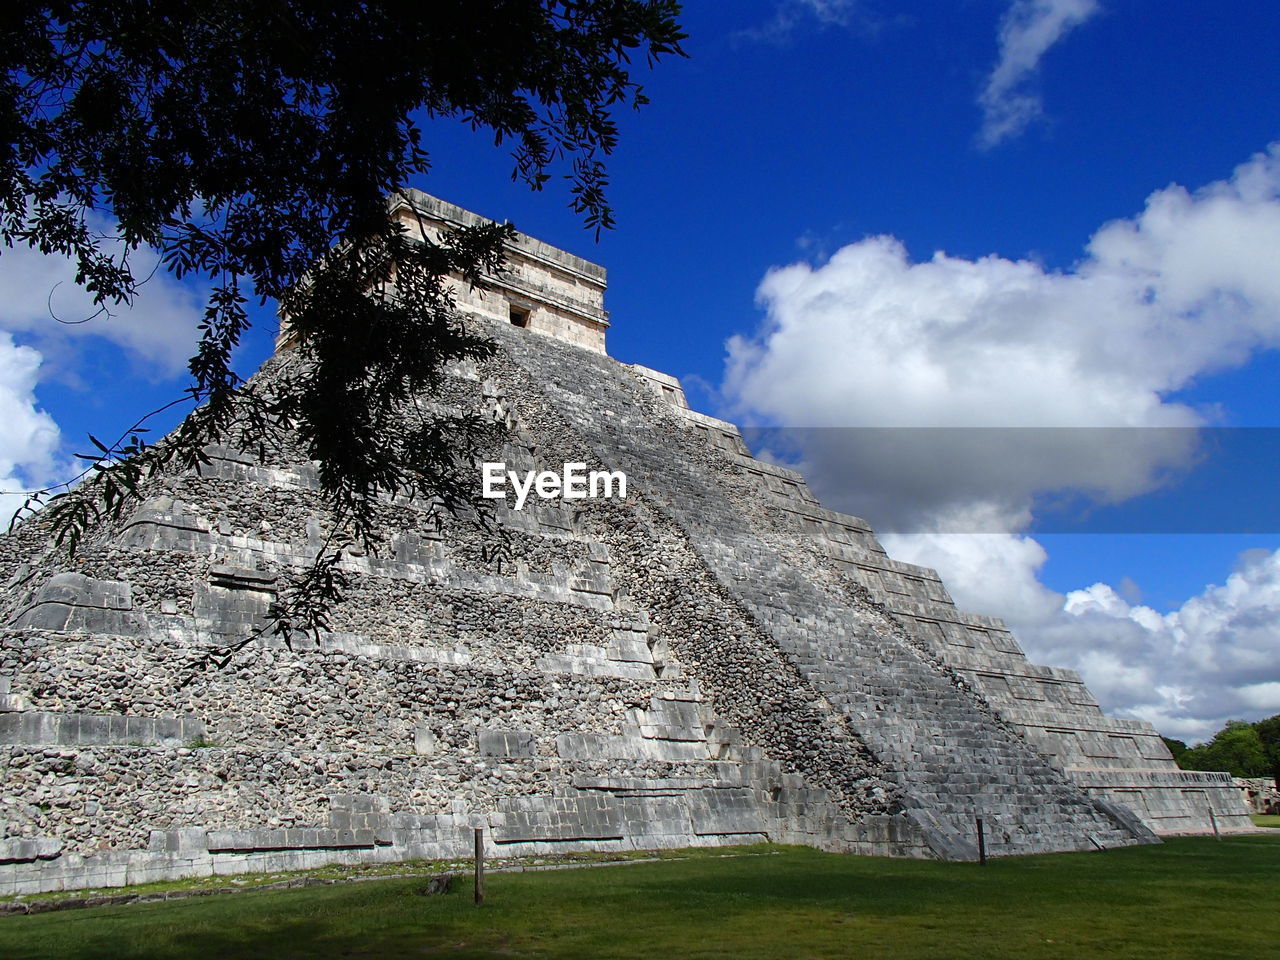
point(479, 865)
point(1214, 820)
point(982, 843)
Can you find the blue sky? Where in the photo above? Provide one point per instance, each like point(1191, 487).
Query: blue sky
point(780, 204)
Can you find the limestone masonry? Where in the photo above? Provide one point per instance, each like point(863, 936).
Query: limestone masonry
point(713, 659)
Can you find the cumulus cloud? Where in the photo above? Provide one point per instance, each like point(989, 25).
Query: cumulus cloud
point(1029, 28)
point(28, 436)
point(896, 349)
point(989, 573)
point(870, 339)
point(1212, 659)
point(158, 333)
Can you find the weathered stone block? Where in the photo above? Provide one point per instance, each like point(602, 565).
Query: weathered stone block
point(507, 743)
point(29, 850)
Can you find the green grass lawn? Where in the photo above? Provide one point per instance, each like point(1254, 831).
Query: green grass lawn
point(1186, 898)
point(1265, 819)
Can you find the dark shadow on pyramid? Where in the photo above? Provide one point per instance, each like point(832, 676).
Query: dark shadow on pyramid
point(712, 659)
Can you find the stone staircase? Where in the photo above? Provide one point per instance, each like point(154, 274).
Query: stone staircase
point(951, 757)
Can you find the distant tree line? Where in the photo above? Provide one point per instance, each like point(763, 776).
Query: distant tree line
point(1244, 749)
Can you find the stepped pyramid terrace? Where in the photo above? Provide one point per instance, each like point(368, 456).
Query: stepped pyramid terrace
point(711, 659)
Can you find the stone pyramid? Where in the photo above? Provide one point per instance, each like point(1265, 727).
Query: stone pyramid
point(712, 659)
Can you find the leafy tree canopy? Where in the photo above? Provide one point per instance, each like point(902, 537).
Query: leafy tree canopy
point(1269, 734)
point(1236, 748)
point(254, 143)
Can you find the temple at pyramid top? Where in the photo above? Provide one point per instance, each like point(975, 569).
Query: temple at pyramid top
point(541, 288)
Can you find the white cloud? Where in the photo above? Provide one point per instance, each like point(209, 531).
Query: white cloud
point(791, 14)
point(1028, 30)
point(1215, 658)
point(158, 333)
point(871, 339)
point(827, 11)
point(28, 435)
point(984, 572)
